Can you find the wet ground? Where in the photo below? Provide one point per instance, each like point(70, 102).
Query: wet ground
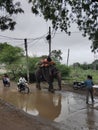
point(67, 109)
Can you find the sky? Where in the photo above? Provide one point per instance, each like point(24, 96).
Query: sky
point(35, 29)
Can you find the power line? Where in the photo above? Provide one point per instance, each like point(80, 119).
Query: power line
point(65, 33)
point(34, 43)
point(33, 39)
point(13, 38)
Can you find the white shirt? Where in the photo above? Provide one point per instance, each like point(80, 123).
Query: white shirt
point(8, 79)
point(22, 80)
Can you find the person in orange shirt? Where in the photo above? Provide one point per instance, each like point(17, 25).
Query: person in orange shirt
point(46, 62)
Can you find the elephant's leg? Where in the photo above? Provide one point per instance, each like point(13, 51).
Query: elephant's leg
point(56, 74)
point(38, 85)
point(51, 89)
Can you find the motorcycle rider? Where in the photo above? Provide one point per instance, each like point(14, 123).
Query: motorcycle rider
point(6, 80)
point(22, 82)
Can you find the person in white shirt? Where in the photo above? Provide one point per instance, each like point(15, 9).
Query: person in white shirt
point(22, 80)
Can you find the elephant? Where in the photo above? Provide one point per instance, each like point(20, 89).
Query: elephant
point(48, 73)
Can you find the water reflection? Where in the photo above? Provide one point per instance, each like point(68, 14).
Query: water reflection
point(90, 120)
point(38, 103)
point(48, 105)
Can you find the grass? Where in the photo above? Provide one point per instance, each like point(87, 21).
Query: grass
point(79, 74)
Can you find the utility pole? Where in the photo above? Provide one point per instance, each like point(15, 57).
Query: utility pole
point(49, 40)
point(68, 57)
point(25, 43)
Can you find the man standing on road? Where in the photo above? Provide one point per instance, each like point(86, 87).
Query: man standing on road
point(89, 89)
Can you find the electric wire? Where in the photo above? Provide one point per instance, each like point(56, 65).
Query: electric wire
point(31, 40)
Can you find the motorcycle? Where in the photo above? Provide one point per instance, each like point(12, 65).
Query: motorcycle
point(78, 85)
point(23, 88)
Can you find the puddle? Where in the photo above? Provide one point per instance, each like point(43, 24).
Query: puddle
point(53, 106)
point(57, 106)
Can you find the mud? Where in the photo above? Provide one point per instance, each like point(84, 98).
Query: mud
point(15, 119)
point(63, 110)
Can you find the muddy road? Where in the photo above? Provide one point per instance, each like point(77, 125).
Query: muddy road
point(62, 110)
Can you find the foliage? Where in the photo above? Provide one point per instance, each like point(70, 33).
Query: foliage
point(15, 69)
point(63, 13)
point(56, 55)
point(7, 9)
point(85, 66)
point(33, 61)
point(79, 74)
point(32, 65)
point(94, 46)
point(76, 64)
point(9, 54)
point(12, 57)
point(65, 70)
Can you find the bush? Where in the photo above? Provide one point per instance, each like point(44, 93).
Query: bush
point(65, 70)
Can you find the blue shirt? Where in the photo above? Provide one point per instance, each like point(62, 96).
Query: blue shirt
point(89, 83)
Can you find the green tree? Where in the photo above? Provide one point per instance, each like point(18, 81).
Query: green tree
point(7, 9)
point(75, 65)
point(12, 57)
point(56, 55)
point(63, 13)
point(33, 63)
point(10, 54)
point(94, 46)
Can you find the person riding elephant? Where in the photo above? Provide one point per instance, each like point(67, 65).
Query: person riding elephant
point(46, 62)
point(47, 71)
